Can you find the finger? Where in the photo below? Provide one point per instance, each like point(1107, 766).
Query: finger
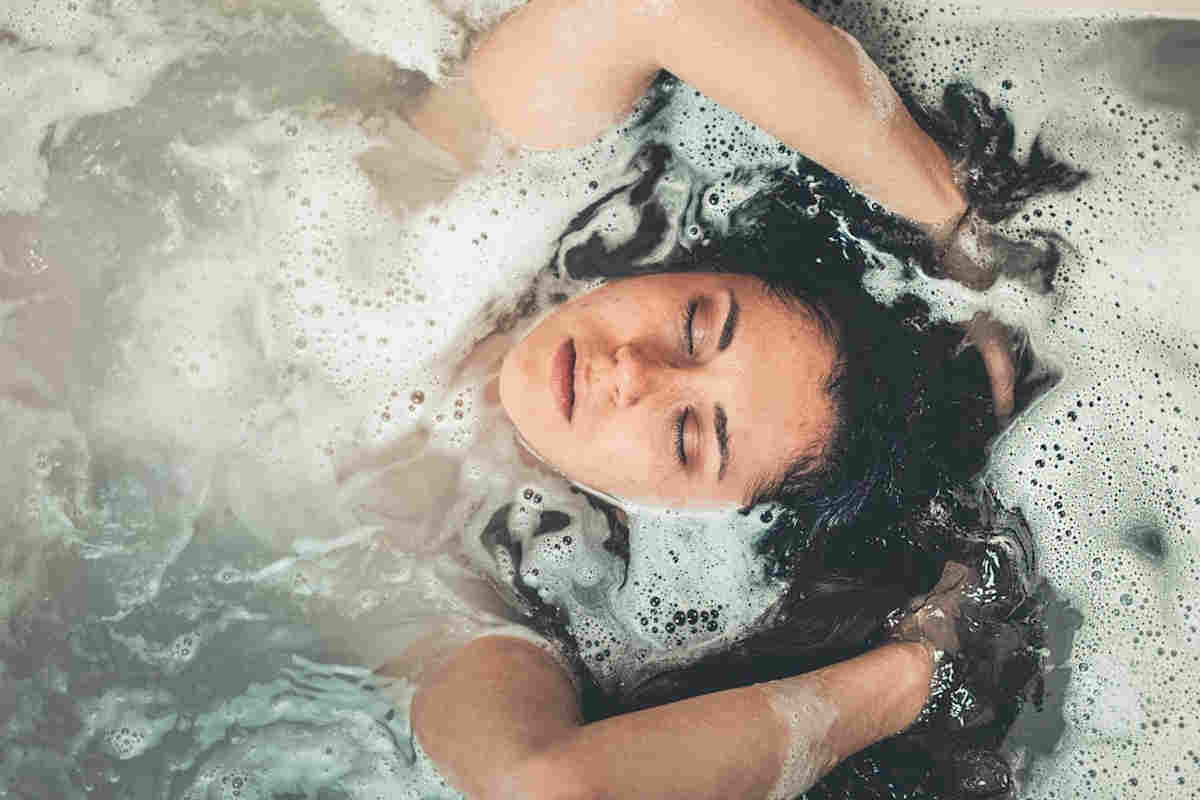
point(991, 338)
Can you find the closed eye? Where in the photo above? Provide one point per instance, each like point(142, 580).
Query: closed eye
point(689, 320)
point(680, 426)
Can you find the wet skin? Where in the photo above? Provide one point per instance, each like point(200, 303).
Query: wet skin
point(684, 390)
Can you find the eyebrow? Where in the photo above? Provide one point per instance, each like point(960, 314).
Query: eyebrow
point(731, 320)
point(720, 420)
point(720, 429)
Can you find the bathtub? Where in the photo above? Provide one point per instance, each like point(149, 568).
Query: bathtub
point(204, 308)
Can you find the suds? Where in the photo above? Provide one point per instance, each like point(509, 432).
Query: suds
point(415, 36)
point(809, 717)
point(215, 333)
point(883, 99)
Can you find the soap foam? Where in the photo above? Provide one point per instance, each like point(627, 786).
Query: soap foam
point(1103, 467)
point(809, 716)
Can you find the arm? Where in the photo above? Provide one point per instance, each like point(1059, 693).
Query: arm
point(501, 721)
point(559, 72)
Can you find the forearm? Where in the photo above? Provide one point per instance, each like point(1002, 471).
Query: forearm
point(500, 721)
point(769, 740)
point(812, 85)
point(559, 72)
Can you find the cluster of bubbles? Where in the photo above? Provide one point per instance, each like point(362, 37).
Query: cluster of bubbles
point(127, 722)
point(1104, 467)
point(339, 736)
point(125, 743)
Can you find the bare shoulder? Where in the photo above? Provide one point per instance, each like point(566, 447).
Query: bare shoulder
point(506, 659)
point(497, 702)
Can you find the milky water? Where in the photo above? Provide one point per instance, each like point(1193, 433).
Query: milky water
point(236, 460)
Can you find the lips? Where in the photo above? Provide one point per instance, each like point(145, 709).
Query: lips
point(562, 378)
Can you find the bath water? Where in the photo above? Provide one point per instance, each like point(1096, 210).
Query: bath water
point(238, 455)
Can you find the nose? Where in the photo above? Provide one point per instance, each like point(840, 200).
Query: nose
point(635, 374)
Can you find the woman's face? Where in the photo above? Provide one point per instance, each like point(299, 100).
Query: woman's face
point(681, 389)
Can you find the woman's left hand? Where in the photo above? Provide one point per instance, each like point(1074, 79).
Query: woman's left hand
point(993, 340)
point(932, 619)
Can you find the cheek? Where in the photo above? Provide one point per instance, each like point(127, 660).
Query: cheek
point(518, 387)
point(618, 447)
point(509, 401)
point(614, 317)
point(630, 451)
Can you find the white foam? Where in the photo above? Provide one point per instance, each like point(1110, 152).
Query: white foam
point(129, 721)
point(1110, 452)
point(67, 61)
point(809, 716)
point(481, 15)
point(415, 34)
point(881, 96)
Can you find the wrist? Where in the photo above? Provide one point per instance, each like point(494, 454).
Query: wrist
point(952, 208)
point(922, 656)
point(915, 681)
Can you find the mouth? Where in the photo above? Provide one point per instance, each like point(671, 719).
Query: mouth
point(562, 378)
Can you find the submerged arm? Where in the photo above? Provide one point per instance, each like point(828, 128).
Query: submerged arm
point(501, 721)
point(559, 72)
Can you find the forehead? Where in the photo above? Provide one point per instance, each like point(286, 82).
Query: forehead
point(687, 283)
point(779, 409)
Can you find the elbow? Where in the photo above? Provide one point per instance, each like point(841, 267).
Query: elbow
point(549, 776)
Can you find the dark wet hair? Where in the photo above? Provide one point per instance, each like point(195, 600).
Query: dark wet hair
point(869, 522)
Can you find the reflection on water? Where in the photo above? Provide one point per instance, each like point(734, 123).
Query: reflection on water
point(1158, 61)
point(205, 308)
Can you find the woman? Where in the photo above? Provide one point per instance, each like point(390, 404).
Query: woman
point(727, 388)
